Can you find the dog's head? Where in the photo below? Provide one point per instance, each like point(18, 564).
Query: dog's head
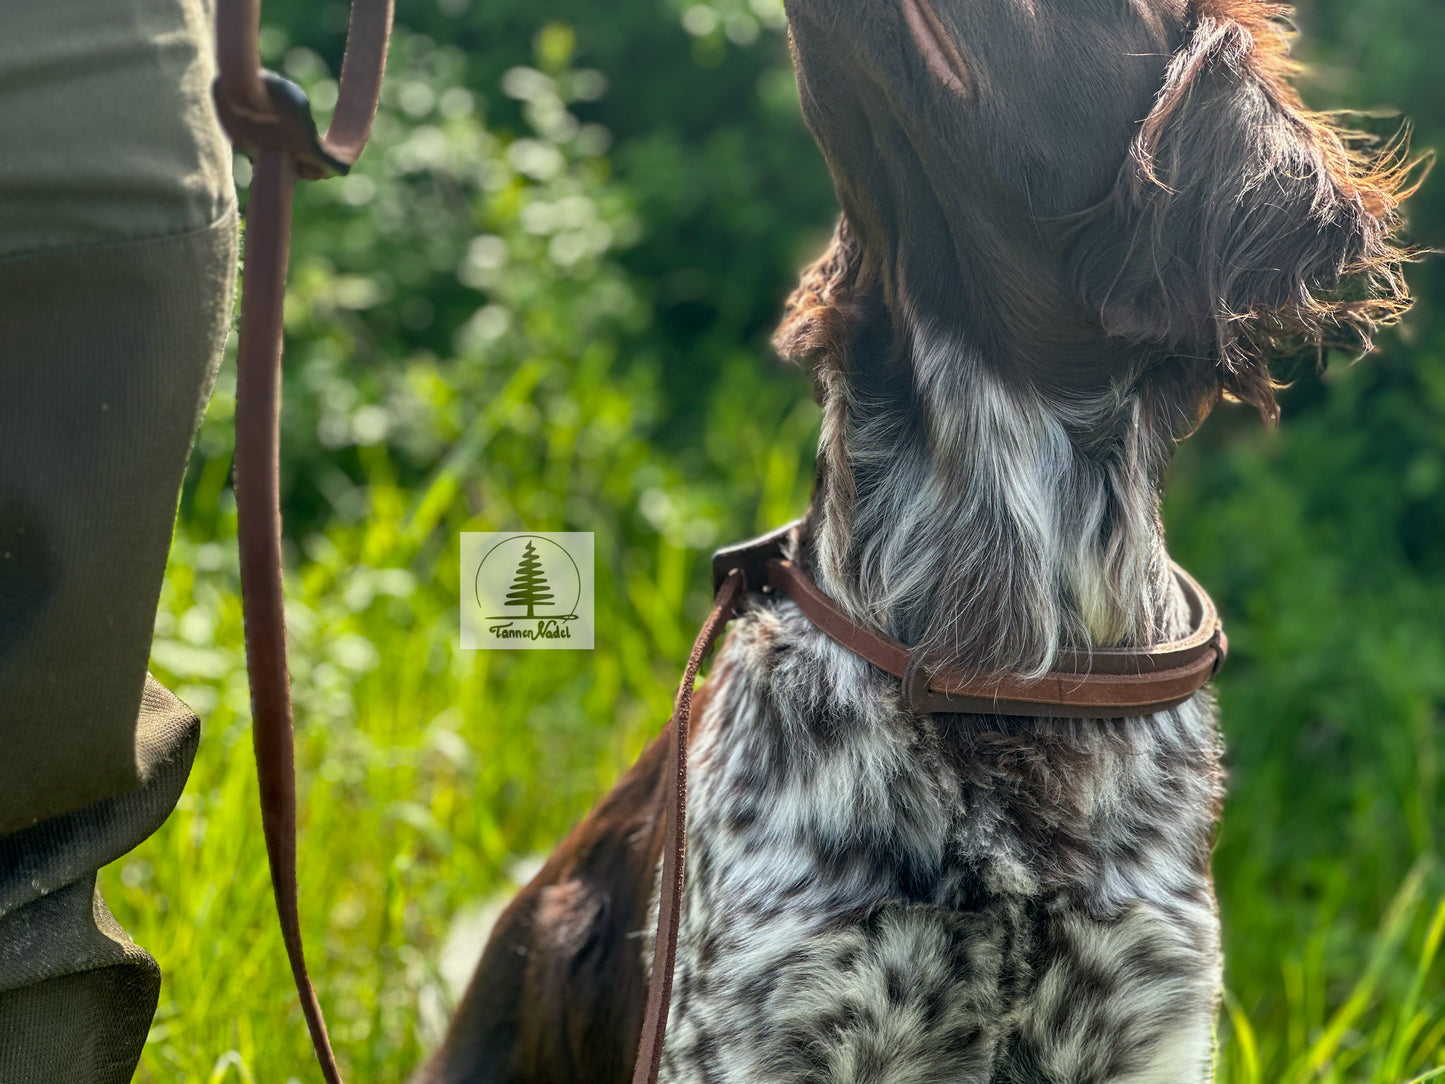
point(1089, 192)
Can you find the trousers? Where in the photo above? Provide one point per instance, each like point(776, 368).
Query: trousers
point(117, 268)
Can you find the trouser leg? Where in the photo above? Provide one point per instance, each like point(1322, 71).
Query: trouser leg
point(117, 263)
point(85, 1016)
point(76, 994)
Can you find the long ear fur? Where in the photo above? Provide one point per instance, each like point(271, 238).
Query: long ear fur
point(821, 322)
point(819, 318)
point(1243, 227)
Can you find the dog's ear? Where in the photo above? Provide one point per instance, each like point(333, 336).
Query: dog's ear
point(820, 315)
point(1243, 227)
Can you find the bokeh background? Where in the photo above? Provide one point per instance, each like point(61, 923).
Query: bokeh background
point(543, 301)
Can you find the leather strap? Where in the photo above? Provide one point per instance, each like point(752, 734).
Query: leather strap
point(1106, 683)
point(674, 853)
point(270, 120)
point(1125, 683)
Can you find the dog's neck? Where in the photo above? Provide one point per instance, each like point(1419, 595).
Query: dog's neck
point(979, 521)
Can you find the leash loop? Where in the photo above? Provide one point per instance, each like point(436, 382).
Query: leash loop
point(269, 118)
point(259, 109)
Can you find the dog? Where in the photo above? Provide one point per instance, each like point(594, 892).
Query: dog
point(1068, 229)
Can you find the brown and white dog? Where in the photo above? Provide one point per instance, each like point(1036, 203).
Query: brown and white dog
point(1069, 227)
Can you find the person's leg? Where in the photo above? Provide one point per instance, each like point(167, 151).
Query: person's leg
point(117, 263)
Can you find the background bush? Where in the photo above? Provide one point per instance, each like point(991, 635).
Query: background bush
point(543, 300)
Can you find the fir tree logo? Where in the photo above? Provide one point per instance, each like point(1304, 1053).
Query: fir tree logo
point(528, 591)
point(529, 586)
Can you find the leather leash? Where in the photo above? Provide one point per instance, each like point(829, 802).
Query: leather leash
point(1107, 683)
point(674, 849)
point(270, 119)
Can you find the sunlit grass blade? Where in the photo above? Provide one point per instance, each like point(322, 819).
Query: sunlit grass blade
point(1407, 1025)
point(231, 1059)
point(1242, 1033)
point(1396, 922)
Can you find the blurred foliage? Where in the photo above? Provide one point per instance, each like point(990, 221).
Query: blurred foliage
point(543, 300)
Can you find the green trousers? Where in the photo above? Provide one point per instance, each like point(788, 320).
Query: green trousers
point(117, 267)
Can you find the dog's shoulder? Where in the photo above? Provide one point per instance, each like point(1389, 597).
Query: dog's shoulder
point(560, 990)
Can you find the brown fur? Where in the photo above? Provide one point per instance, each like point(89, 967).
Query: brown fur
point(1338, 295)
point(559, 993)
point(1228, 173)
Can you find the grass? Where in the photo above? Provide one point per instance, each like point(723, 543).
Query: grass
point(1367, 1037)
point(427, 772)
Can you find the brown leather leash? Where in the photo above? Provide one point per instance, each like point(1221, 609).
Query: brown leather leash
point(270, 119)
point(1106, 683)
point(674, 849)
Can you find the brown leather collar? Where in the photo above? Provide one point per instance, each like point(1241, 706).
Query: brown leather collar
point(1105, 683)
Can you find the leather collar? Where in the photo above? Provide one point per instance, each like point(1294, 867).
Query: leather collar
point(1105, 683)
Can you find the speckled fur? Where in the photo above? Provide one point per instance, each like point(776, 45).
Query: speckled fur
point(879, 897)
